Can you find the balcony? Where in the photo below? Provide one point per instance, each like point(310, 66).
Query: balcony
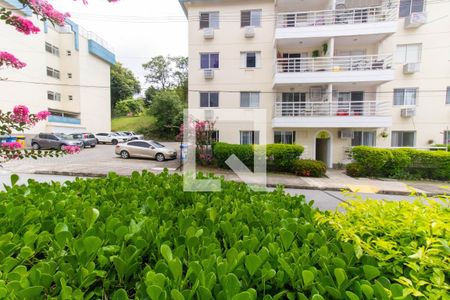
point(344, 69)
point(334, 114)
point(64, 120)
point(376, 20)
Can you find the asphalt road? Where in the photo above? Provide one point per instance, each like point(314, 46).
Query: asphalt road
point(323, 200)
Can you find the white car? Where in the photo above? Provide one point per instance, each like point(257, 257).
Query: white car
point(132, 135)
point(110, 138)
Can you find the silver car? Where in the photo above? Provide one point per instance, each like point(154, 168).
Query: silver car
point(145, 149)
point(47, 141)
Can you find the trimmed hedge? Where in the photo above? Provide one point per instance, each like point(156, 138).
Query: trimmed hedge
point(309, 168)
point(375, 162)
point(280, 156)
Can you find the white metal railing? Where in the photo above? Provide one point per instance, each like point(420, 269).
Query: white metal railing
point(333, 108)
point(335, 63)
point(336, 17)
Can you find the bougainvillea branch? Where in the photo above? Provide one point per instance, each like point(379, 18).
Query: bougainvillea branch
point(9, 60)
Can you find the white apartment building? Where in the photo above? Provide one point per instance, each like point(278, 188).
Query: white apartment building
point(67, 73)
point(331, 73)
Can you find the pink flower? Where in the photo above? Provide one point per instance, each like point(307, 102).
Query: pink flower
point(46, 10)
point(71, 149)
point(43, 115)
point(21, 114)
point(9, 60)
point(11, 145)
point(22, 24)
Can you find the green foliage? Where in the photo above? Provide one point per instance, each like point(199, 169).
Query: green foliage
point(167, 109)
point(309, 168)
point(136, 124)
point(129, 107)
point(281, 156)
point(376, 162)
point(441, 146)
point(223, 151)
point(409, 242)
point(123, 84)
point(354, 169)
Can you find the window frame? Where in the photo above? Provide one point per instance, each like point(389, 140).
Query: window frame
point(209, 13)
point(250, 94)
point(251, 18)
point(447, 96)
point(245, 59)
point(209, 60)
point(363, 133)
point(53, 73)
point(254, 135)
point(52, 49)
point(405, 90)
point(405, 60)
point(446, 137)
point(402, 138)
point(283, 136)
point(54, 95)
point(209, 99)
point(410, 7)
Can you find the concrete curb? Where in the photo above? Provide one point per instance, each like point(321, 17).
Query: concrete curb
point(271, 185)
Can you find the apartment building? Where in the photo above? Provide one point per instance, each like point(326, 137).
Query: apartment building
point(67, 73)
point(331, 74)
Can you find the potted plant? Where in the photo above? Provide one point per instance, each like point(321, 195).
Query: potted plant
point(384, 134)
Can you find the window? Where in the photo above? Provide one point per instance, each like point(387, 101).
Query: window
point(251, 18)
point(51, 49)
point(69, 53)
point(215, 136)
point(447, 137)
point(249, 137)
point(284, 137)
point(209, 20)
point(53, 96)
point(408, 53)
point(70, 97)
point(53, 73)
point(250, 59)
point(364, 138)
point(447, 99)
point(409, 6)
point(69, 75)
point(209, 60)
point(250, 99)
point(139, 144)
point(403, 139)
point(209, 99)
point(405, 97)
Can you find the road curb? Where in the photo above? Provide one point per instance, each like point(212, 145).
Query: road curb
point(271, 185)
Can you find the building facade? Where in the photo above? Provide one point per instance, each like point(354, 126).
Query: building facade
point(67, 73)
point(331, 74)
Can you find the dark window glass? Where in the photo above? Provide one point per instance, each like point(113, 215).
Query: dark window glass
point(245, 18)
point(204, 61)
point(204, 20)
point(447, 101)
point(409, 6)
point(214, 63)
point(209, 99)
point(251, 60)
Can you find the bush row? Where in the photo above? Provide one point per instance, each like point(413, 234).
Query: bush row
point(142, 237)
point(376, 162)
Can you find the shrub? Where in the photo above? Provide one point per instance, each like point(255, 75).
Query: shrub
point(281, 156)
point(398, 164)
point(129, 107)
point(309, 168)
point(430, 164)
point(222, 151)
point(372, 159)
point(354, 170)
point(441, 146)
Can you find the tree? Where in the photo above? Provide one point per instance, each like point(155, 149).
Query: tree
point(167, 109)
point(150, 92)
point(123, 84)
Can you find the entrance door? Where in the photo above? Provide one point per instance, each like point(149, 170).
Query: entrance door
point(323, 147)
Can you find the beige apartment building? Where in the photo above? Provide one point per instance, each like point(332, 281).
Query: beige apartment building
point(67, 73)
point(331, 74)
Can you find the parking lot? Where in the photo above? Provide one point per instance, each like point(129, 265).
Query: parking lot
point(99, 160)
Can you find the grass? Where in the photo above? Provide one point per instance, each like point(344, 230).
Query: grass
point(132, 123)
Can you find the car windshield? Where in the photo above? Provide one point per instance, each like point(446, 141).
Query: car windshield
point(158, 145)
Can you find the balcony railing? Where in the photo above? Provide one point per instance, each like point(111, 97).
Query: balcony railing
point(333, 108)
point(336, 17)
point(65, 120)
point(335, 64)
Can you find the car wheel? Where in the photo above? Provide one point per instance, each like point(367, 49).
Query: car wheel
point(35, 146)
point(93, 146)
point(114, 142)
point(124, 154)
point(160, 157)
point(61, 147)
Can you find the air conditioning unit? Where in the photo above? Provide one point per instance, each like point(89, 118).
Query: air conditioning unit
point(346, 134)
point(411, 68)
point(249, 32)
point(209, 115)
point(415, 20)
point(208, 33)
point(408, 112)
point(209, 74)
point(340, 4)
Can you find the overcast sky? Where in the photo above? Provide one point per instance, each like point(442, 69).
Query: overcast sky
point(136, 29)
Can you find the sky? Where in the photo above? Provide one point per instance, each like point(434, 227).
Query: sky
point(136, 29)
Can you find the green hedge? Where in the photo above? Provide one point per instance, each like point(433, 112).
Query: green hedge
point(279, 156)
point(309, 168)
point(375, 162)
point(142, 237)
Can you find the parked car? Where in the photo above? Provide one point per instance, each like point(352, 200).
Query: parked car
point(88, 139)
point(145, 149)
point(132, 135)
point(54, 141)
point(110, 138)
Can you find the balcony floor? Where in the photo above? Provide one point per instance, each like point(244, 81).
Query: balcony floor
point(332, 122)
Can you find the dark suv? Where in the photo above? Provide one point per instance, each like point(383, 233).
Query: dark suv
point(54, 141)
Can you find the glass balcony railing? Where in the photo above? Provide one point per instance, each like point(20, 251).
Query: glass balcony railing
point(65, 120)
